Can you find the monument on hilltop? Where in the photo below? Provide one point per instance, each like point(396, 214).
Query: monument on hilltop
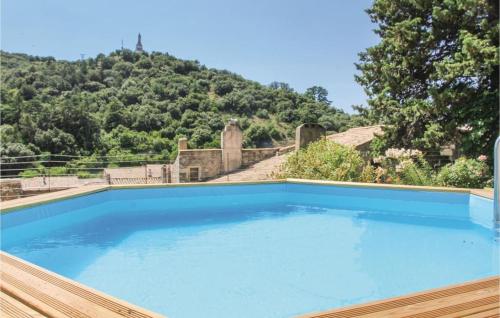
point(138, 46)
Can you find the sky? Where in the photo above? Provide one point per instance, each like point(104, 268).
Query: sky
point(300, 42)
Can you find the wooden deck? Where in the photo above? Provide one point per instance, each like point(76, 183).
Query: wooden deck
point(27, 290)
point(31, 291)
point(478, 299)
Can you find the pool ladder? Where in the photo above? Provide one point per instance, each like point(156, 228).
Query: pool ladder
point(496, 204)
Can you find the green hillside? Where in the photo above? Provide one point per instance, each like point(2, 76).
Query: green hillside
point(129, 102)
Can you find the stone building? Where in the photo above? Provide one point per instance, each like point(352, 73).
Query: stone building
point(192, 165)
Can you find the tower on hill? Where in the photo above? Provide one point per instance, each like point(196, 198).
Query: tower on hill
point(138, 46)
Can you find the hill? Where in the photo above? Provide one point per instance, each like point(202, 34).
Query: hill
point(128, 102)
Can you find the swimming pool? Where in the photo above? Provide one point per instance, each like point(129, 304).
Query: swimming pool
point(267, 250)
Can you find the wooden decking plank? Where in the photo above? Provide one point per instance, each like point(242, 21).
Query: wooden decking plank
point(475, 310)
point(398, 306)
point(456, 309)
point(493, 313)
point(60, 297)
point(441, 306)
point(48, 294)
point(12, 308)
point(48, 301)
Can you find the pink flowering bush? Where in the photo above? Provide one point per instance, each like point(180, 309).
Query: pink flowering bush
point(403, 166)
point(482, 158)
point(326, 160)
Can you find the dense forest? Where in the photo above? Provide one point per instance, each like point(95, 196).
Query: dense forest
point(129, 102)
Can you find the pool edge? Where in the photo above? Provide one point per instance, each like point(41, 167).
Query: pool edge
point(16, 204)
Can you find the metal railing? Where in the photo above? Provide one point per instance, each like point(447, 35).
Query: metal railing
point(27, 176)
point(31, 175)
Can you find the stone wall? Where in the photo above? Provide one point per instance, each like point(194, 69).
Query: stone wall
point(206, 162)
point(286, 149)
point(307, 133)
point(10, 189)
point(149, 170)
point(251, 156)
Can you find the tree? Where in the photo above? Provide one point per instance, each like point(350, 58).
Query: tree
point(134, 103)
point(281, 85)
point(8, 150)
point(258, 136)
point(434, 71)
point(56, 141)
point(222, 88)
point(319, 94)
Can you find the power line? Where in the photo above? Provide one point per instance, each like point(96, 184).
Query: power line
point(78, 156)
point(79, 163)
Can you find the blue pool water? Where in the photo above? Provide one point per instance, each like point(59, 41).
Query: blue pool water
point(275, 250)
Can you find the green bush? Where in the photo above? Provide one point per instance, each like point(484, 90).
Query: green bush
point(464, 173)
point(415, 172)
point(30, 173)
point(262, 113)
point(325, 160)
point(88, 175)
point(258, 136)
point(404, 166)
point(58, 171)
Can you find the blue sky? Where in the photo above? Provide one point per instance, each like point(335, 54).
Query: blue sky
point(301, 42)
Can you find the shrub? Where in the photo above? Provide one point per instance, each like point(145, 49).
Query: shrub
point(87, 175)
point(258, 136)
point(377, 146)
point(262, 113)
point(325, 160)
point(415, 172)
point(58, 171)
point(368, 174)
point(30, 173)
point(404, 166)
point(464, 173)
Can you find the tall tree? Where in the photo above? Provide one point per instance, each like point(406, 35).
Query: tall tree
point(319, 94)
point(433, 78)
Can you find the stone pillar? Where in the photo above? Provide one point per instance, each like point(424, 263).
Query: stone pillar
point(231, 142)
point(169, 173)
point(307, 133)
point(182, 144)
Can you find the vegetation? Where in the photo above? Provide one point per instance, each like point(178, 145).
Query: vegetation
point(466, 173)
point(432, 80)
point(434, 77)
point(129, 103)
point(326, 160)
